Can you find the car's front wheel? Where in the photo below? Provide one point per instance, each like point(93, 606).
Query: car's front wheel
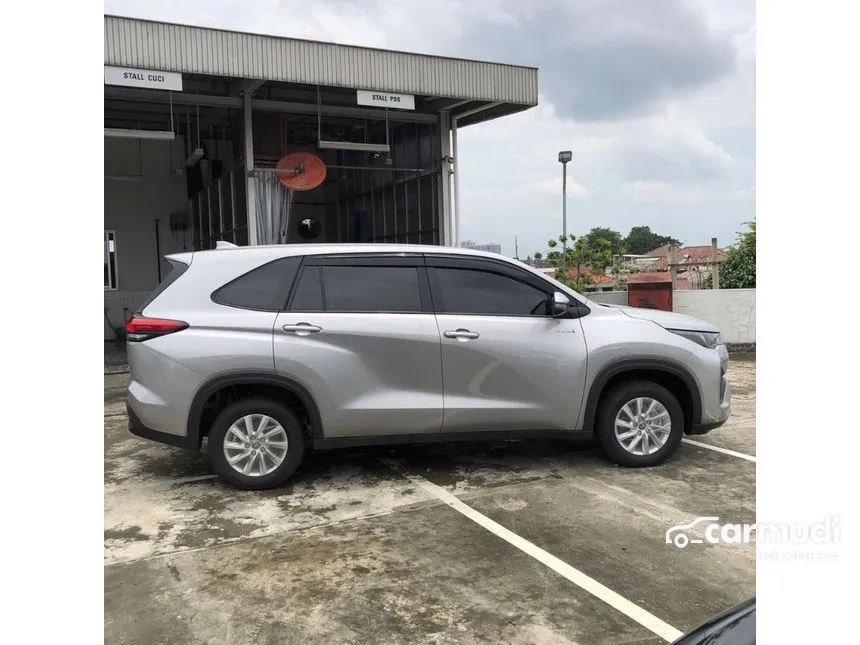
point(639, 424)
point(256, 444)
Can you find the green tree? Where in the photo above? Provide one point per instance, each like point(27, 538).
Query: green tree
point(580, 254)
point(538, 256)
point(738, 271)
point(642, 239)
point(599, 234)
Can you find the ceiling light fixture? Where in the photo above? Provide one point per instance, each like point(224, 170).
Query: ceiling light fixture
point(159, 135)
point(355, 147)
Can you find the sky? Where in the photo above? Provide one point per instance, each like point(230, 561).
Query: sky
point(655, 98)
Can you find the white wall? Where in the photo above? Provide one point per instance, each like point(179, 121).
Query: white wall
point(131, 208)
point(609, 297)
point(731, 310)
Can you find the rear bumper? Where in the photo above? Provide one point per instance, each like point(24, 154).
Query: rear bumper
point(136, 427)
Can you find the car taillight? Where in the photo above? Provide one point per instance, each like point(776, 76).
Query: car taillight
point(139, 328)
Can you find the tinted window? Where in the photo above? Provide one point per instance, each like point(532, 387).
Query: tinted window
point(366, 288)
point(467, 291)
point(264, 289)
point(308, 295)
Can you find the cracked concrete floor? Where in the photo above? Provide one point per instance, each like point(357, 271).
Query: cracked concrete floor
point(352, 552)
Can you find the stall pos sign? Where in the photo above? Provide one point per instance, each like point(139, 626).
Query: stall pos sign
point(146, 78)
point(386, 99)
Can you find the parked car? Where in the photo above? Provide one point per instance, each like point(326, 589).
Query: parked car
point(735, 626)
point(272, 350)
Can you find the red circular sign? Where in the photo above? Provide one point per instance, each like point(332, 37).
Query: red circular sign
point(307, 171)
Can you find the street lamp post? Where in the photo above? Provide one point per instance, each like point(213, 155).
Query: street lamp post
point(564, 157)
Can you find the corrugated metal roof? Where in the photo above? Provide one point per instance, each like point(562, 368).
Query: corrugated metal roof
point(196, 50)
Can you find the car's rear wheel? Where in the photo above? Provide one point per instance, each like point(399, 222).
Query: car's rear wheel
point(256, 444)
point(639, 424)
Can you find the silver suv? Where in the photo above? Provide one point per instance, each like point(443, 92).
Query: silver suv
point(273, 350)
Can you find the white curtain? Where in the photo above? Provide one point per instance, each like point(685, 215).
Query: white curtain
point(274, 203)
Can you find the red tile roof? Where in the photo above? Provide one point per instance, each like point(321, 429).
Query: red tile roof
point(596, 278)
point(698, 254)
point(684, 255)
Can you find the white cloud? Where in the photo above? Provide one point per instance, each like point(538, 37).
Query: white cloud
point(551, 186)
point(658, 192)
point(672, 167)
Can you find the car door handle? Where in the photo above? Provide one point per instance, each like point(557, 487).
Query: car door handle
point(302, 329)
point(462, 334)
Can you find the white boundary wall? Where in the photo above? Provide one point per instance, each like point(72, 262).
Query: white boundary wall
point(731, 310)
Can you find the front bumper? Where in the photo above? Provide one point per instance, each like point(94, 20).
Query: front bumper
point(715, 415)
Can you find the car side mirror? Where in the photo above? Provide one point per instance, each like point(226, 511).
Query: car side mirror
point(560, 304)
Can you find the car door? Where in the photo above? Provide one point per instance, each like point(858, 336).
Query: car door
point(507, 364)
point(360, 333)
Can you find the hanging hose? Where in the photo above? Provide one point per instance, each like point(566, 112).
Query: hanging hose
point(285, 216)
point(110, 326)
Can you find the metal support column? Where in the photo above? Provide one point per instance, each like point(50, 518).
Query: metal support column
point(455, 214)
point(456, 219)
point(715, 266)
point(564, 206)
point(250, 180)
point(445, 216)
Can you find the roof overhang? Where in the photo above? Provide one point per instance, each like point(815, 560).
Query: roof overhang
point(233, 63)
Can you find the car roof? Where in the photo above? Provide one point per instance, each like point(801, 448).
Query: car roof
point(274, 251)
point(319, 249)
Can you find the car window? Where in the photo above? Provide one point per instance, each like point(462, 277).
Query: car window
point(371, 288)
point(476, 292)
point(263, 289)
point(308, 295)
point(358, 289)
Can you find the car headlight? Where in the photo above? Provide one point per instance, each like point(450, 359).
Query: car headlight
point(708, 339)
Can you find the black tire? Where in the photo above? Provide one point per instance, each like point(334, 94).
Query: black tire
point(281, 414)
point(612, 401)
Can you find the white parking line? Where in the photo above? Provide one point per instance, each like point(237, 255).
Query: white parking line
point(725, 451)
point(584, 582)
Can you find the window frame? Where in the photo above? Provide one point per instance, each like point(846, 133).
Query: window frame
point(491, 266)
point(358, 260)
point(115, 273)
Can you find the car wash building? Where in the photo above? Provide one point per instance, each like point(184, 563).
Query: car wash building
point(213, 135)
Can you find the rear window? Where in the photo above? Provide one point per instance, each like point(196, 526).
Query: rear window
point(177, 268)
point(266, 288)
